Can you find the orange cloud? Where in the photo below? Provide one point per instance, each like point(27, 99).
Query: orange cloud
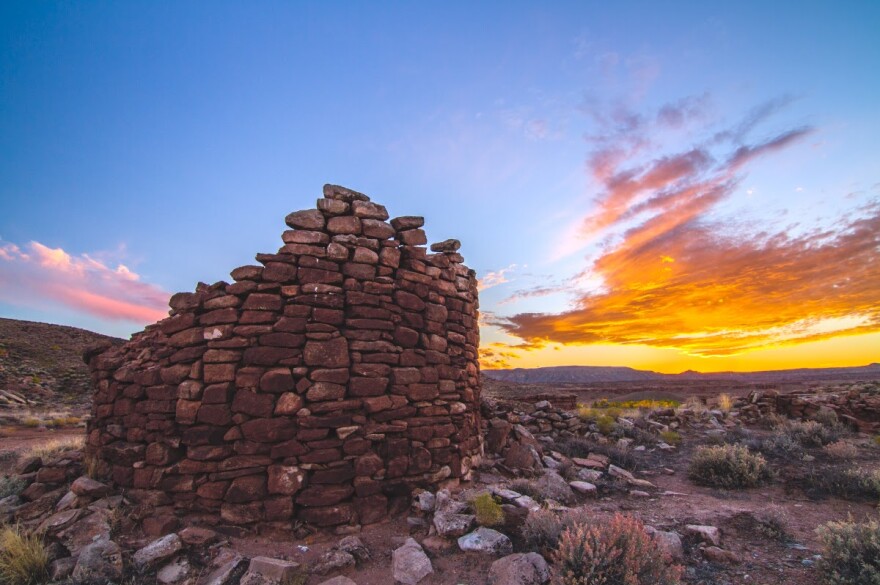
point(674, 278)
point(46, 276)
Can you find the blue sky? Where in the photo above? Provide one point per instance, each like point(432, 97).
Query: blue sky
point(172, 138)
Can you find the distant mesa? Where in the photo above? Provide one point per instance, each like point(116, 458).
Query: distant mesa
point(600, 374)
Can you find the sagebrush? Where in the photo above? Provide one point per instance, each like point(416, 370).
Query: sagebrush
point(617, 551)
point(728, 466)
point(542, 528)
point(851, 554)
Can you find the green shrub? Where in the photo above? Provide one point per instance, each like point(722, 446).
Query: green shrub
point(605, 424)
point(671, 437)
point(618, 551)
point(487, 510)
point(728, 466)
point(851, 554)
point(23, 558)
point(11, 485)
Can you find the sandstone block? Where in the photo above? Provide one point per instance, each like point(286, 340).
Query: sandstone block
point(308, 219)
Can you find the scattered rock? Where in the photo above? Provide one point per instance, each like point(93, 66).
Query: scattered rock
point(717, 555)
point(86, 486)
point(668, 542)
point(158, 550)
point(583, 487)
point(197, 536)
point(174, 572)
point(519, 569)
point(229, 565)
point(410, 564)
point(269, 571)
point(340, 580)
point(355, 547)
point(61, 568)
point(708, 534)
point(333, 560)
point(486, 540)
point(620, 473)
point(99, 560)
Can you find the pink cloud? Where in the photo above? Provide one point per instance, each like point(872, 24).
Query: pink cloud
point(43, 277)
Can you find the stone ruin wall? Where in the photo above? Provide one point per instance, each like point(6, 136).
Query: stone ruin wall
point(339, 373)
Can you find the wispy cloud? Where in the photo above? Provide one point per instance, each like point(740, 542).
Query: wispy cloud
point(676, 276)
point(495, 277)
point(42, 276)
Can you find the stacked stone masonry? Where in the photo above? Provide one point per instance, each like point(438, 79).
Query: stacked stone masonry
point(340, 372)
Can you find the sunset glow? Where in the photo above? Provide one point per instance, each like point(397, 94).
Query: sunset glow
point(686, 187)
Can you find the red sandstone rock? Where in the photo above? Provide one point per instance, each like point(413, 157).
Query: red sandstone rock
point(332, 353)
point(310, 219)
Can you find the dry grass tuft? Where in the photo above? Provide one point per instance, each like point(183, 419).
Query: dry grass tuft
point(55, 447)
point(23, 558)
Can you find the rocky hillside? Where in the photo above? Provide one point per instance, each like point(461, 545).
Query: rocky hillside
point(39, 361)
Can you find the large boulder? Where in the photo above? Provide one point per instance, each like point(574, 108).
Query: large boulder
point(519, 569)
point(99, 560)
point(485, 540)
point(158, 550)
point(410, 564)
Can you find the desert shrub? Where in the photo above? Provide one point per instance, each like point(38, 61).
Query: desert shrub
point(487, 510)
point(542, 528)
point(23, 558)
point(527, 487)
point(618, 455)
point(853, 483)
point(841, 450)
point(587, 414)
point(851, 554)
point(828, 418)
point(725, 402)
point(635, 404)
point(694, 404)
point(728, 466)
point(619, 551)
point(771, 523)
point(11, 485)
point(811, 433)
point(877, 440)
point(541, 531)
point(605, 424)
point(671, 437)
point(781, 444)
point(575, 447)
point(31, 422)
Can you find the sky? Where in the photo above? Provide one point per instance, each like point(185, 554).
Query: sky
point(665, 186)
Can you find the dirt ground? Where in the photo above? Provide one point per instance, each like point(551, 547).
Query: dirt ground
point(676, 503)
